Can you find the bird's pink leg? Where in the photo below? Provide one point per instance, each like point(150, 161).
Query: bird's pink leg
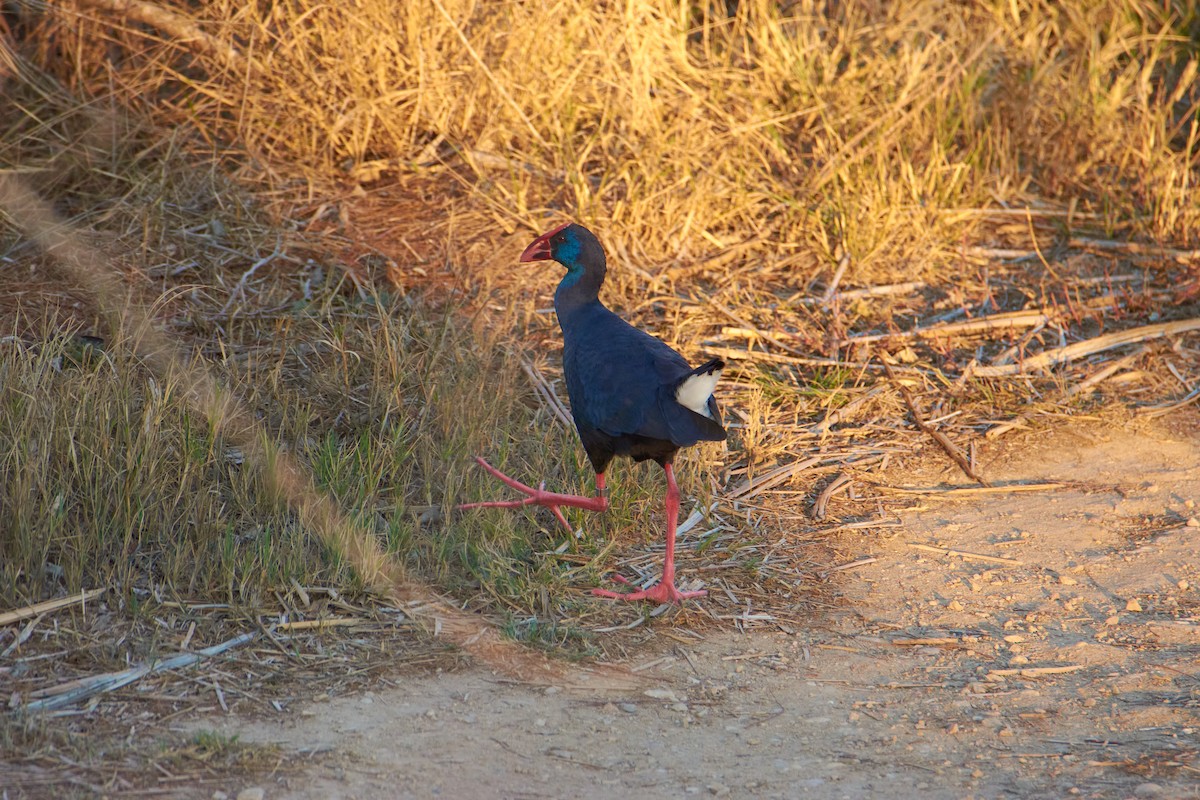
point(664, 591)
point(540, 497)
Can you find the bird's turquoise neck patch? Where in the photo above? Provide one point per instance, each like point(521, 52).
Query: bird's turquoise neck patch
point(574, 273)
point(567, 254)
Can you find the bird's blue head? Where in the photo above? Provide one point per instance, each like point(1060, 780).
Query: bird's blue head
point(573, 246)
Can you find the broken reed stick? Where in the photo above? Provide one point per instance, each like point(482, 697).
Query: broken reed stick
point(81, 689)
point(839, 414)
point(9, 617)
point(309, 624)
point(779, 358)
point(757, 331)
point(964, 554)
point(1087, 384)
point(1033, 672)
point(1016, 319)
point(862, 562)
point(1104, 374)
point(843, 263)
point(948, 446)
point(1082, 243)
point(1158, 411)
point(772, 479)
point(839, 483)
point(965, 491)
point(543, 388)
point(1099, 344)
point(1053, 213)
point(883, 290)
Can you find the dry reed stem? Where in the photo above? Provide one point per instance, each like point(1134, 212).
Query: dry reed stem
point(16, 615)
point(1099, 344)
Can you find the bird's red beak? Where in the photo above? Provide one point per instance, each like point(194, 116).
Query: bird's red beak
point(539, 248)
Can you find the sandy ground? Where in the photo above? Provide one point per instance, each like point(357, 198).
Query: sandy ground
point(912, 688)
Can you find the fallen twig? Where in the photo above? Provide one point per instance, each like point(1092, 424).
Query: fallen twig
point(948, 446)
point(842, 481)
point(1012, 562)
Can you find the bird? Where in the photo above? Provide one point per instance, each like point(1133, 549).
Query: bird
point(630, 393)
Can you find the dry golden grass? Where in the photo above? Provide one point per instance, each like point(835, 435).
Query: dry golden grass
point(678, 129)
point(260, 171)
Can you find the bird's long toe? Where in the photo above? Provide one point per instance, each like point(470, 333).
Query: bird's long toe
point(661, 592)
point(539, 497)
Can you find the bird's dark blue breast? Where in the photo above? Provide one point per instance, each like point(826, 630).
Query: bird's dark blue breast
point(621, 384)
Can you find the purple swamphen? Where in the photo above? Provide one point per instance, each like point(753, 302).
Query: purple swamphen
point(631, 395)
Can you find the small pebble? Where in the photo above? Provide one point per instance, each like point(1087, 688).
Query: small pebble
point(219, 795)
point(1193, 522)
point(1183, 585)
point(1113, 620)
point(253, 793)
point(1148, 790)
point(1067, 580)
point(662, 694)
point(1014, 638)
point(954, 605)
point(1133, 605)
point(718, 789)
point(628, 708)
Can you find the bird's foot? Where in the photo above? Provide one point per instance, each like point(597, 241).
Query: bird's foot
point(661, 592)
point(538, 497)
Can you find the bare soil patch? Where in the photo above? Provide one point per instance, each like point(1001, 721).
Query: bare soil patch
point(1069, 669)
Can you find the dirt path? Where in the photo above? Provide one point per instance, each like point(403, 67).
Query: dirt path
point(912, 690)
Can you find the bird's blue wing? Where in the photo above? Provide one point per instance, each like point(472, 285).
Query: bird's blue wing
point(614, 376)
